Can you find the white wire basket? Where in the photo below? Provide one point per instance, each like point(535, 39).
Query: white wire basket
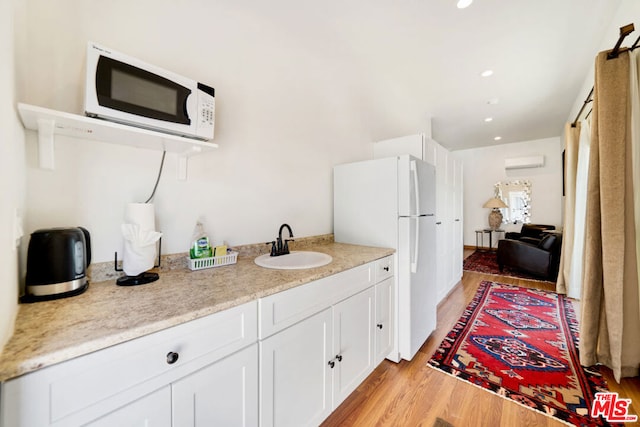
point(216, 261)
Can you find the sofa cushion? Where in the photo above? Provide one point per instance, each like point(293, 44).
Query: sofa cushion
point(530, 240)
point(547, 243)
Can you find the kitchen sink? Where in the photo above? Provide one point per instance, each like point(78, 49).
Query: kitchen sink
point(296, 260)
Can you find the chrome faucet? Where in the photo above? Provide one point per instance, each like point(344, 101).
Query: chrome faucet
point(279, 246)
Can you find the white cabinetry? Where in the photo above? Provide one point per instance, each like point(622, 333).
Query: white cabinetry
point(458, 241)
point(449, 184)
point(295, 385)
point(353, 343)
point(222, 394)
point(385, 332)
point(127, 380)
point(308, 369)
point(324, 345)
point(285, 360)
point(444, 223)
point(384, 320)
point(151, 410)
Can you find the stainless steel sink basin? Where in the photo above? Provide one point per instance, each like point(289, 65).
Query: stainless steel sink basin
point(296, 260)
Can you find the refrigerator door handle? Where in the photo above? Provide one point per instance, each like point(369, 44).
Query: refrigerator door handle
point(416, 186)
point(416, 246)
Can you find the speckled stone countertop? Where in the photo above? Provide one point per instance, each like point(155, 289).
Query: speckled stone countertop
point(51, 332)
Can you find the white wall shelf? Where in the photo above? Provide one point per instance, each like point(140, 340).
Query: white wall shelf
point(49, 123)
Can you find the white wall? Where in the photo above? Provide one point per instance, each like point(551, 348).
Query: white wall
point(483, 167)
point(289, 104)
point(11, 175)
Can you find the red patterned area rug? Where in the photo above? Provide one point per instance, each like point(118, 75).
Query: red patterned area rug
point(487, 262)
point(522, 344)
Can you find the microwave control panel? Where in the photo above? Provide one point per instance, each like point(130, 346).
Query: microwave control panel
point(206, 110)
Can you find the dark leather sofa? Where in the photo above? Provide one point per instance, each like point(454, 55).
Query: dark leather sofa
point(533, 250)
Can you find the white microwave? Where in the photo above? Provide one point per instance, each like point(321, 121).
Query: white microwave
point(126, 90)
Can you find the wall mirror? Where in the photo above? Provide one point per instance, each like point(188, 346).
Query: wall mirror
point(517, 195)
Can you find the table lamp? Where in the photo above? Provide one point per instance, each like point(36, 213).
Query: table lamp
point(495, 216)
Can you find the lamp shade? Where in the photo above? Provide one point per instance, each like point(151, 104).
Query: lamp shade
point(494, 202)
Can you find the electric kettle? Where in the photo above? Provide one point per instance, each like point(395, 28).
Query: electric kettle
point(57, 260)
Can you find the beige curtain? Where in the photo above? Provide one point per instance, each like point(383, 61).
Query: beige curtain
point(634, 65)
point(610, 319)
point(571, 143)
point(574, 287)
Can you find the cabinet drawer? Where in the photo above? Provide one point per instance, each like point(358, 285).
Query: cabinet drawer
point(384, 268)
point(281, 310)
point(100, 381)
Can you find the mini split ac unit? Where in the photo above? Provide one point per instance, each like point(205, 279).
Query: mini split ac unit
point(524, 162)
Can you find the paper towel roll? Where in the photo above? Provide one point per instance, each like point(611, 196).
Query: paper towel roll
point(140, 238)
point(139, 249)
point(141, 214)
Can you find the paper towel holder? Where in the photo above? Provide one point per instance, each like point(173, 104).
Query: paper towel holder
point(142, 278)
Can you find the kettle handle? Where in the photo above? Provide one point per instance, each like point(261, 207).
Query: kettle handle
point(87, 246)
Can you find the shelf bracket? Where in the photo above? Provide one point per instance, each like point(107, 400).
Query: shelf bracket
point(46, 129)
point(183, 161)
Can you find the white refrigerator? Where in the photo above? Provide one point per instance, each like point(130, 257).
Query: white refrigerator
point(390, 202)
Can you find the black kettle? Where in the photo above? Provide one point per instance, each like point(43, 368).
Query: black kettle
point(57, 261)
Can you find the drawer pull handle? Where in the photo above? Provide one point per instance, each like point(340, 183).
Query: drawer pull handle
point(332, 364)
point(385, 268)
point(339, 357)
point(172, 357)
point(379, 325)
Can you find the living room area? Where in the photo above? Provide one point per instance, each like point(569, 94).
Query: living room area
point(521, 244)
point(527, 177)
point(485, 167)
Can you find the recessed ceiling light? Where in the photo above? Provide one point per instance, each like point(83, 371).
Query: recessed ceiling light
point(488, 119)
point(464, 3)
point(486, 73)
point(497, 138)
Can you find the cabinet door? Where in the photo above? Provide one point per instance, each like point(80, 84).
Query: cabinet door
point(295, 377)
point(222, 394)
point(450, 224)
point(458, 244)
point(353, 338)
point(151, 410)
point(443, 231)
point(430, 151)
point(384, 320)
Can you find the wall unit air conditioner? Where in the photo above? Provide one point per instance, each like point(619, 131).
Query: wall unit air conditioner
point(524, 162)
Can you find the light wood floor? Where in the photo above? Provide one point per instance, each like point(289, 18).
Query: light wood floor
point(413, 394)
